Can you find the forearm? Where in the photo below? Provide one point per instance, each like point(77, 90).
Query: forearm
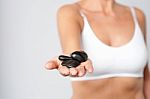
point(147, 89)
point(147, 83)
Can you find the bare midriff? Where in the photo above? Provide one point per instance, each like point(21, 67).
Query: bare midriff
point(109, 88)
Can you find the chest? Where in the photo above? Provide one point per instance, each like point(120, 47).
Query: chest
point(112, 31)
point(116, 52)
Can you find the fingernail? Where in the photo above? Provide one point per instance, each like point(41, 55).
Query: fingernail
point(90, 70)
point(47, 65)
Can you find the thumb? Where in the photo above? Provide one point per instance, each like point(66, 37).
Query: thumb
point(52, 64)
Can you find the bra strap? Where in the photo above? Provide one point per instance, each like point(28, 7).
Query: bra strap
point(134, 14)
point(81, 12)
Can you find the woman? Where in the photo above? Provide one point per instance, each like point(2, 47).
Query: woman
point(114, 37)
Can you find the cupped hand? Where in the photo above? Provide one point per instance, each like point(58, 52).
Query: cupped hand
point(78, 71)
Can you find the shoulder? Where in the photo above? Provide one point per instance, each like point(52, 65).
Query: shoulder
point(141, 20)
point(140, 14)
point(68, 10)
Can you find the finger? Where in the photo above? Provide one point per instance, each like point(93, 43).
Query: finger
point(52, 64)
point(73, 71)
point(88, 65)
point(81, 71)
point(63, 70)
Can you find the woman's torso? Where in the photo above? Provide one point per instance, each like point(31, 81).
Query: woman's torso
point(109, 88)
point(112, 87)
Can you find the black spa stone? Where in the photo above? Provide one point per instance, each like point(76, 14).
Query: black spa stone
point(70, 63)
point(74, 59)
point(63, 57)
point(81, 56)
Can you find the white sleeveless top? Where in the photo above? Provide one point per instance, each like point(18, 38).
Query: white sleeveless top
point(128, 60)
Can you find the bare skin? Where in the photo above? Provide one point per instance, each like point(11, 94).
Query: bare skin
point(101, 14)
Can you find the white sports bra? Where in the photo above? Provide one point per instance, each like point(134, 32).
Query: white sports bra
point(127, 60)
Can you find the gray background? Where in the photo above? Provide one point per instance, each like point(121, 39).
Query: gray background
point(28, 38)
